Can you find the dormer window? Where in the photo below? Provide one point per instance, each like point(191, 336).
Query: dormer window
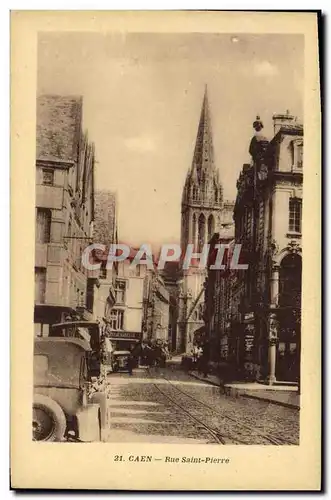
point(299, 156)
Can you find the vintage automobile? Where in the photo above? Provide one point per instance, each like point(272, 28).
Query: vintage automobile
point(86, 330)
point(69, 402)
point(120, 361)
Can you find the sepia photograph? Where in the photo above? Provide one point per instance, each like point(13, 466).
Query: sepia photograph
point(169, 242)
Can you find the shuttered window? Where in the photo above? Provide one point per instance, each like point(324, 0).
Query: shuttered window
point(43, 225)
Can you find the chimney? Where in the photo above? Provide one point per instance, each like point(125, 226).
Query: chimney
point(282, 120)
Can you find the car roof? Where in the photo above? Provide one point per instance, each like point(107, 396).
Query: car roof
point(64, 341)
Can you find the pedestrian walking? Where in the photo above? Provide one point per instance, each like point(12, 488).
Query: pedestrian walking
point(130, 364)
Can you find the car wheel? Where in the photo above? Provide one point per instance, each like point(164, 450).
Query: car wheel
point(48, 419)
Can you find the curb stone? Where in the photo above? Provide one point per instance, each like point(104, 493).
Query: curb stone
point(237, 393)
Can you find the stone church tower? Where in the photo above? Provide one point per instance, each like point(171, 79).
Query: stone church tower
point(203, 212)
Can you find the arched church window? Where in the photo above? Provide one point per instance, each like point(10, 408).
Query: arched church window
point(201, 231)
point(194, 229)
point(211, 226)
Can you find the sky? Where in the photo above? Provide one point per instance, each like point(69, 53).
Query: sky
point(142, 96)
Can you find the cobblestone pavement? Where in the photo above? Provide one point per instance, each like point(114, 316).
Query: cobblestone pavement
point(167, 405)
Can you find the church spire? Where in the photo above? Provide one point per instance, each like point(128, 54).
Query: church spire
point(203, 157)
point(202, 199)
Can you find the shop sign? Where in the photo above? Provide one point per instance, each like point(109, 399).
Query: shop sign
point(249, 342)
point(249, 339)
point(125, 335)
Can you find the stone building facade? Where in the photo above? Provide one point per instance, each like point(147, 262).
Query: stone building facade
point(266, 298)
point(105, 218)
point(106, 233)
point(218, 297)
point(65, 166)
point(157, 301)
point(125, 319)
point(170, 279)
point(141, 306)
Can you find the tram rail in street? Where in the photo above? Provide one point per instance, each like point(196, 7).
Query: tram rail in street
point(218, 435)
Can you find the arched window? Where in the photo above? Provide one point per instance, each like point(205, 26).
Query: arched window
point(201, 231)
point(194, 229)
point(297, 154)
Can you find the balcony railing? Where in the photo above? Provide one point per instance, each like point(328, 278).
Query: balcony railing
point(206, 203)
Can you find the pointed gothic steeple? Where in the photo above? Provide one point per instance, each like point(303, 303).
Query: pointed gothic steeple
point(203, 158)
point(202, 199)
point(202, 214)
point(202, 182)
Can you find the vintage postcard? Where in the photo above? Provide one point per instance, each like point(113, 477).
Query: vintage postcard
point(166, 203)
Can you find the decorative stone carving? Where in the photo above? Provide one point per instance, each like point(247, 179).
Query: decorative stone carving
point(273, 327)
point(293, 247)
point(273, 247)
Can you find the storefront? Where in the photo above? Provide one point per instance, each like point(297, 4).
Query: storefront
point(123, 340)
point(289, 319)
point(288, 348)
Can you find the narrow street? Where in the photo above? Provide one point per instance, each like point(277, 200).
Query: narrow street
point(167, 405)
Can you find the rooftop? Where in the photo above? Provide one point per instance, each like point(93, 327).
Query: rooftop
point(58, 127)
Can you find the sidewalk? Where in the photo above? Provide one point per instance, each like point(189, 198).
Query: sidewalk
point(282, 395)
